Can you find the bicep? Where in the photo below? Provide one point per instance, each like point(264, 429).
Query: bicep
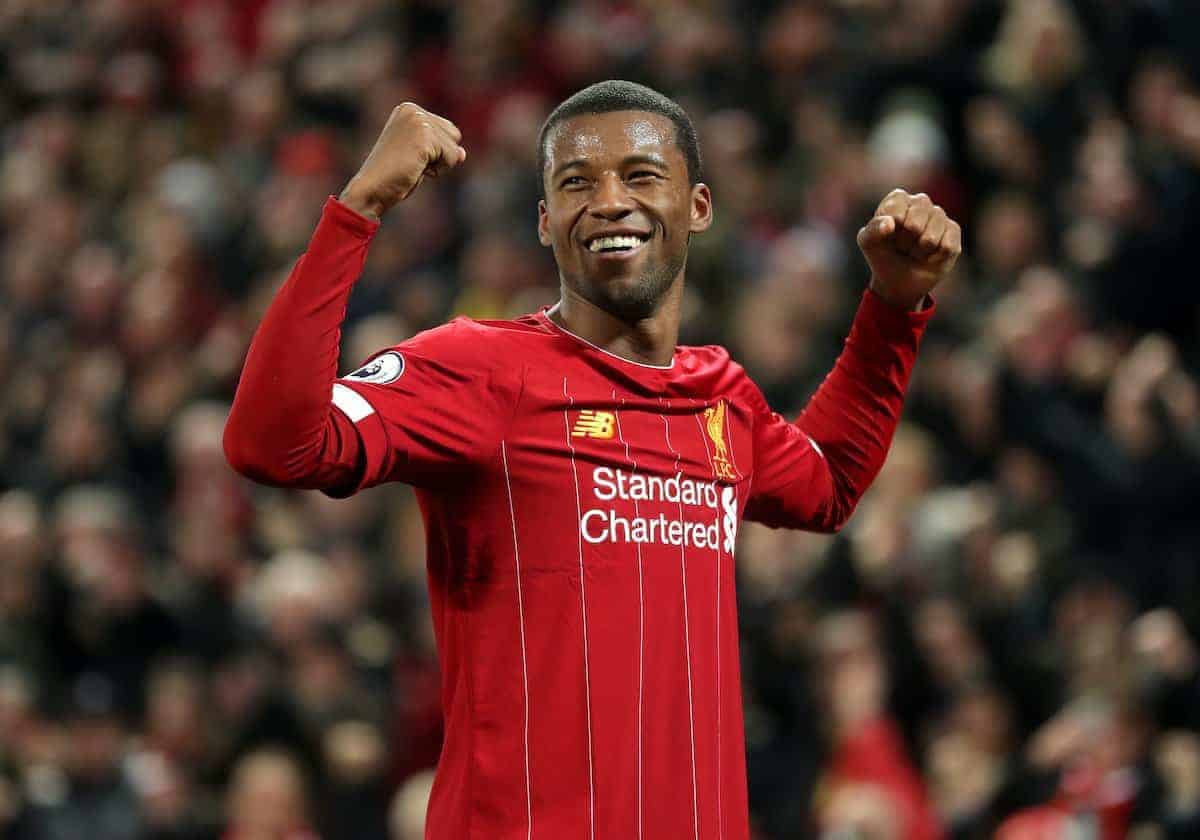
point(361, 440)
point(793, 486)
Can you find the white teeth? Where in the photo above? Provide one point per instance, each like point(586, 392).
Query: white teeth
point(613, 243)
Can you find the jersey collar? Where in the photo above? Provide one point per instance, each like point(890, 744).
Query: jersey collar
point(546, 319)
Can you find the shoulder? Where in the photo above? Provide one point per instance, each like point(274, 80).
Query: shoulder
point(460, 350)
point(491, 330)
point(705, 360)
point(720, 373)
point(476, 343)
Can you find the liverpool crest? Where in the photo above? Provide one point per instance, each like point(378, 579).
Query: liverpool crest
point(714, 421)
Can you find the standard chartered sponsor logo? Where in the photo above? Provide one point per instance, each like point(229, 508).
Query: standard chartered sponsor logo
point(608, 526)
point(618, 484)
point(605, 525)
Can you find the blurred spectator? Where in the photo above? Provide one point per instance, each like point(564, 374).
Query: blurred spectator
point(268, 799)
point(407, 818)
point(90, 796)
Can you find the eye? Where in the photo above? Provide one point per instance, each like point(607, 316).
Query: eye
point(644, 175)
point(573, 182)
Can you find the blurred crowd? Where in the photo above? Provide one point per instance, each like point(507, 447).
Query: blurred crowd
point(1003, 642)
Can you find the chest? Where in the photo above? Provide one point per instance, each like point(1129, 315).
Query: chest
point(610, 475)
point(599, 424)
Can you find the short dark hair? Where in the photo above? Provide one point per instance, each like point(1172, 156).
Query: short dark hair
point(620, 95)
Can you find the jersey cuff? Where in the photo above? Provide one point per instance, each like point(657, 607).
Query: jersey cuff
point(890, 323)
point(343, 217)
point(881, 309)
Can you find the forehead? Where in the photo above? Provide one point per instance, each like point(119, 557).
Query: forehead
point(616, 134)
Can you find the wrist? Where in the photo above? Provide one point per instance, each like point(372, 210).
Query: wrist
point(361, 201)
point(903, 302)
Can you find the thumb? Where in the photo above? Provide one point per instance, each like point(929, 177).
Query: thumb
point(876, 232)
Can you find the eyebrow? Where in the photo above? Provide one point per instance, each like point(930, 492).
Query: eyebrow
point(653, 160)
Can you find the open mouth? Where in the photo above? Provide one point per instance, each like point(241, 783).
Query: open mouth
point(622, 243)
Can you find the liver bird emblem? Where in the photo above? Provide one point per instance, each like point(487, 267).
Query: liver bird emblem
point(714, 418)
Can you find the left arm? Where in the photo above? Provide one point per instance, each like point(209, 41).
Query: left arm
point(811, 473)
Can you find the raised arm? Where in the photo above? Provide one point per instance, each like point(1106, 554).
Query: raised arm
point(283, 428)
point(811, 474)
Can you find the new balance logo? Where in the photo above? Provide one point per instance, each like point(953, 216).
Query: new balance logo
point(595, 424)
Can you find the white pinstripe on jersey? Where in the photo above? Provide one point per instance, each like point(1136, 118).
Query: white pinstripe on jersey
point(687, 644)
point(641, 621)
point(720, 814)
point(587, 679)
point(521, 617)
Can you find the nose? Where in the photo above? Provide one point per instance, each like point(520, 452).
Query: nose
point(611, 199)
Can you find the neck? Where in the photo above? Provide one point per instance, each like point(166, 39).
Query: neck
point(650, 340)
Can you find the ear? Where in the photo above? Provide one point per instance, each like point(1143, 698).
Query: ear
point(543, 224)
point(702, 209)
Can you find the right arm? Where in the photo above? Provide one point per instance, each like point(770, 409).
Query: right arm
point(283, 428)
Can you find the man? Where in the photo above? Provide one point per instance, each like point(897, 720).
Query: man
point(581, 477)
point(267, 799)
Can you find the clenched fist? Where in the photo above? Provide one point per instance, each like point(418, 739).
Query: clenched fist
point(910, 244)
point(414, 144)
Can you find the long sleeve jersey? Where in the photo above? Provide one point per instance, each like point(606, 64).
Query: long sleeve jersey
point(581, 513)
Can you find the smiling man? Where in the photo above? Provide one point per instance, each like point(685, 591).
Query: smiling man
point(582, 477)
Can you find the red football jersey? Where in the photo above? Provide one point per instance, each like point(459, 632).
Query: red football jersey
point(582, 514)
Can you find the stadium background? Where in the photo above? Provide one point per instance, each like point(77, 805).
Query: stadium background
point(1009, 621)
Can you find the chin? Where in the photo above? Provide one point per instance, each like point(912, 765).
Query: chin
point(631, 292)
point(629, 298)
